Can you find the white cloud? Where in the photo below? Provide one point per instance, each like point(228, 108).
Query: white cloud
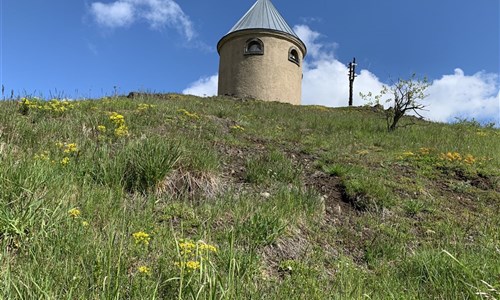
point(117, 14)
point(206, 86)
point(325, 82)
point(459, 95)
point(157, 13)
point(315, 50)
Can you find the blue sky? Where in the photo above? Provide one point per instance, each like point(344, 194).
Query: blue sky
point(87, 48)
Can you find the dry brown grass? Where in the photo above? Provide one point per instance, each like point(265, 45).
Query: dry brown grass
point(190, 185)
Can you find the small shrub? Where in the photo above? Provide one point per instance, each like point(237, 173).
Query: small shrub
point(263, 229)
point(148, 162)
point(413, 207)
point(273, 167)
point(335, 170)
point(136, 167)
point(365, 194)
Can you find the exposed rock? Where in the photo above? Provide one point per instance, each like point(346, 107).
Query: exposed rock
point(265, 195)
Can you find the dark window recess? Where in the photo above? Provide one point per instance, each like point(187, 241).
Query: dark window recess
point(293, 56)
point(254, 46)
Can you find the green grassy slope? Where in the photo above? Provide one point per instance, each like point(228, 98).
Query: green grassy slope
point(181, 197)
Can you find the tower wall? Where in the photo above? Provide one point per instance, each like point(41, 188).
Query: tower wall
point(271, 76)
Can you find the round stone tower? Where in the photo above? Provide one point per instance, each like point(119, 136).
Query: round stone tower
point(261, 57)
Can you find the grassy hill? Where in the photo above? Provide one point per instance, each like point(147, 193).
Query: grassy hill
point(179, 197)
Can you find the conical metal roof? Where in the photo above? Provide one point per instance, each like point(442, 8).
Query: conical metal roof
point(263, 15)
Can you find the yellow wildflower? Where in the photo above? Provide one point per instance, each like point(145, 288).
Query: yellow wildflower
point(117, 119)
point(65, 161)
point(74, 212)
point(144, 106)
point(425, 151)
point(238, 127)
point(121, 130)
point(144, 270)
point(469, 159)
point(193, 265)
point(189, 266)
point(186, 247)
point(52, 105)
point(141, 237)
point(203, 246)
point(85, 224)
point(101, 128)
point(192, 253)
point(69, 148)
point(188, 114)
point(451, 156)
point(42, 156)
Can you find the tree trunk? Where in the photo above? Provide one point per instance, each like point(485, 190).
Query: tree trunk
point(397, 116)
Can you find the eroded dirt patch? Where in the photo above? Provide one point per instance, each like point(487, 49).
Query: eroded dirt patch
point(338, 218)
point(294, 246)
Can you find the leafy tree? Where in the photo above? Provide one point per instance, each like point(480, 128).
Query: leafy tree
point(405, 96)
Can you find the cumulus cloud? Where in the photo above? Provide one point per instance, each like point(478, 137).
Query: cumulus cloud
point(325, 82)
point(157, 13)
point(206, 86)
point(309, 38)
point(118, 14)
point(461, 96)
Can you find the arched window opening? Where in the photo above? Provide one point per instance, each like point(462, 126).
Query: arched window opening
point(254, 46)
point(293, 56)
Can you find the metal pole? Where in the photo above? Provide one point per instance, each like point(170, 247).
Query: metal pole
point(352, 75)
